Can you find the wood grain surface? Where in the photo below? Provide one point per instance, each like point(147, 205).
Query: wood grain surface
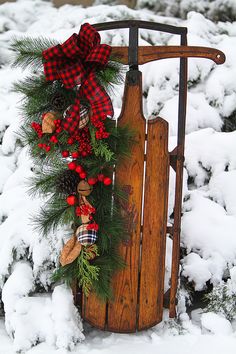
point(151, 53)
point(154, 225)
point(122, 311)
point(94, 311)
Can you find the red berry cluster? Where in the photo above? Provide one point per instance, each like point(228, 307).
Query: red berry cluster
point(78, 168)
point(46, 147)
point(91, 180)
point(93, 226)
point(99, 124)
point(54, 139)
point(101, 178)
point(84, 145)
point(83, 139)
point(38, 128)
point(85, 210)
point(57, 123)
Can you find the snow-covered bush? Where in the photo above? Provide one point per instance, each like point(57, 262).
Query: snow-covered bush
point(216, 10)
point(209, 213)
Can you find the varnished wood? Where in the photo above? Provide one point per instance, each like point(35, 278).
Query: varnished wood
point(94, 311)
point(122, 311)
point(151, 53)
point(151, 290)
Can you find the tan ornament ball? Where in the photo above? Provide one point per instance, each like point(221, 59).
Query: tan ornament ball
point(84, 188)
point(48, 125)
point(84, 115)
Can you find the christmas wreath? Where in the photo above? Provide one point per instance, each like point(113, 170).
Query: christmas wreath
point(75, 146)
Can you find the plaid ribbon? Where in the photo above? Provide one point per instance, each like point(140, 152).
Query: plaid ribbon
point(74, 63)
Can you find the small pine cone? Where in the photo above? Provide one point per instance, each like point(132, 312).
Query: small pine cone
point(67, 182)
point(59, 102)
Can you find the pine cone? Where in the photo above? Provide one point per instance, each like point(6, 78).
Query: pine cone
point(59, 102)
point(67, 182)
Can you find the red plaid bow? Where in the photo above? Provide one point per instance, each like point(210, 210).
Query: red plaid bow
point(74, 63)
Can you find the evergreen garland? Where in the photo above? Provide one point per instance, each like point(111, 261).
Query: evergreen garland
point(53, 180)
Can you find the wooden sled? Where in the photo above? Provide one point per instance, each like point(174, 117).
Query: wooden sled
point(139, 288)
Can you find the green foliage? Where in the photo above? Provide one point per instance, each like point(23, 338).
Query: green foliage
point(112, 74)
point(81, 269)
point(38, 98)
point(55, 213)
point(88, 273)
point(29, 51)
point(222, 300)
point(100, 148)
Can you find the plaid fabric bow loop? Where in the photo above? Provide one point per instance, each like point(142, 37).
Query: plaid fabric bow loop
point(74, 63)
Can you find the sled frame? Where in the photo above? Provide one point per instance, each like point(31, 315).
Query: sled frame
point(139, 288)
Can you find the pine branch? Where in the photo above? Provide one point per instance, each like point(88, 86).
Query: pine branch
point(100, 148)
point(54, 214)
point(29, 51)
point(111, 75)
point(81, 269)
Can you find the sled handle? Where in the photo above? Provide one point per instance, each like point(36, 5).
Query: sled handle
point(147, 54)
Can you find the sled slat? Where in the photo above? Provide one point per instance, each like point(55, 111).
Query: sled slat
point(94, 311)
point(122, 311)
point(154, 225)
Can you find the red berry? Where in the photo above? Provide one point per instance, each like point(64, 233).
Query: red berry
point(101, 177)
point(83, 175)
point(70, 141)
point(107, 181)
point(75, 154)
point(65, 153)
point(92, 181)
point(84, 153)
point(40, 145)
point(47, 148)
point(53, 139)
point(72, 165)
point(71, 200)
point(79, 169)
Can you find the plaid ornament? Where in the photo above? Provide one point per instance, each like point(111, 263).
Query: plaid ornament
point(85, 236)
point(74, 63)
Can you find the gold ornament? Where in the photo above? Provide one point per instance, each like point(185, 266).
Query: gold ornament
point(84, 188)
point(48, 125)
point(70, 251)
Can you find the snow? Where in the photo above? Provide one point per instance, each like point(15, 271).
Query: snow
point(216, 324)
point(31, 319)
point(40, 318)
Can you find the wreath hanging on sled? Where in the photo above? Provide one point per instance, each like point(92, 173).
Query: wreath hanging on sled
point(75, 146)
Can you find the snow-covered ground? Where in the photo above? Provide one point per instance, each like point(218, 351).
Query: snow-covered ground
point(34, 311)
point(157, 340)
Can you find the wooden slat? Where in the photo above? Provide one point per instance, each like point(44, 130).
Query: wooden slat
point(122, 312)
point(151, 53)
point(154, 225)
point(94, 311)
